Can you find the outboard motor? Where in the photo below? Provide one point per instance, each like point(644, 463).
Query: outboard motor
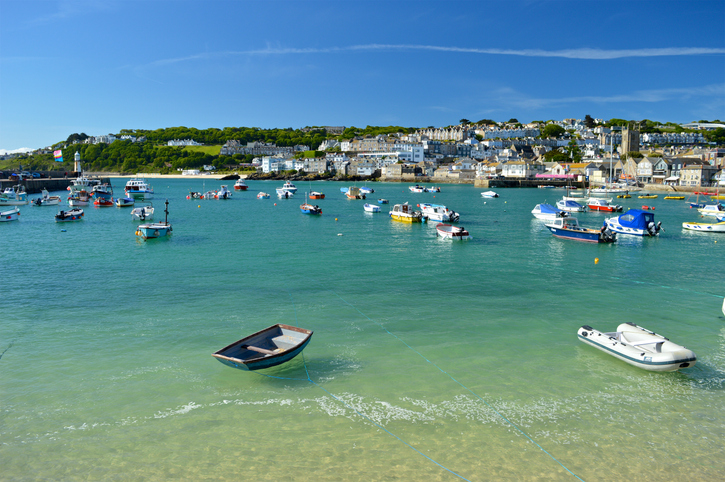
point(651, 228)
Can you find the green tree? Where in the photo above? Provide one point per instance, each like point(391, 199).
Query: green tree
point(464, 121)
point(589, 121)
point(552, 130)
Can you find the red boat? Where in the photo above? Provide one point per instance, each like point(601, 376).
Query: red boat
point(240, 185)
point(603, 205)
point(102, 202)
point(316, 195)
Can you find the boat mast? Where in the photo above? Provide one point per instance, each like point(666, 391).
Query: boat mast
point(166, 211)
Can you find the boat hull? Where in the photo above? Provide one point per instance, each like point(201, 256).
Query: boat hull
point(10, 215)
point(67, 216)
point(705, 227)
point(586, 235)
point(639, 347)
point(280, 342)
point(452, 232)
point(153, 231)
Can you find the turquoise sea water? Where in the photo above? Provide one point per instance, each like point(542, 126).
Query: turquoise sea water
point(431, 359)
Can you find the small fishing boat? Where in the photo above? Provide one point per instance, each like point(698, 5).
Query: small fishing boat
point(14, 196)
point(635, 222)
point(267, 348)
point(383, 201)
point(46, 199)
point(103, 202)
point(451, 232)
point(600, 204)
point(354, 193)
point(240, 185)
point(155, 230)
point(547, 211)
point(79, 198)
point(570, 206)
point(308, 208)
point(433, 189)
point(678, 198)
point(139, 188)
point(706, 227)
point(263, 195)
point(712, 210)
point(124, 202)
point(568, 228)
point(102, 191)
point(439, 212)
point(316, 195)
point(288, 187)
point(490, 194)
point(10, 215)
point(367, 190)
point(223, 193)
point(416, 188)
point(343, 190)
point(75, 214)
point(83, 183)
point(639, 347)
point(142, 213)
point(405, 214)
point(371, 208)
point(282, 194)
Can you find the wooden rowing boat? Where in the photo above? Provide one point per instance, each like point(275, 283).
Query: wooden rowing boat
point(267, 348)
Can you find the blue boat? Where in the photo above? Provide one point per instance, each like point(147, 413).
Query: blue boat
point(635, 222)
point(267, 348)
point(310, 209)
point(568, 228)
point(547, 211)
point(383, 201)
point(155, 230)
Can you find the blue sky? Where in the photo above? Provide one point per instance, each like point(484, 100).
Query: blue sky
point(102, 66)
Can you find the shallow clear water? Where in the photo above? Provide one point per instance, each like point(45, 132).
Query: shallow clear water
point(431, 359)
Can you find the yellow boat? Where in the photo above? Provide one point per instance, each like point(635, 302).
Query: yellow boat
point(623, 196)
point(680, 198)
point(648, 196)
point(719, 196)
point(404, 213)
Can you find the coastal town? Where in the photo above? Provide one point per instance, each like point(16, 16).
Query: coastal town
point(493, 154)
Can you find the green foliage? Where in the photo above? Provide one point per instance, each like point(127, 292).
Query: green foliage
point(487, 122)
point(464, 121)
point(573, 151)
point(556, 156)
point(552, 130)
point(633, 155)
point(589, 121)
point(716, 135)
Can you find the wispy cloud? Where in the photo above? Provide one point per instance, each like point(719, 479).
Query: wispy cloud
point(580, 54)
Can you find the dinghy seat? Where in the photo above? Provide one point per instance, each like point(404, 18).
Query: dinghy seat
point(260, 350)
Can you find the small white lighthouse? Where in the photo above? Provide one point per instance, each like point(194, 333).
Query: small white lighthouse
point(77, 165)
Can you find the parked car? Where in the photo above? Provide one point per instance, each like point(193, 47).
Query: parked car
point(36, 175)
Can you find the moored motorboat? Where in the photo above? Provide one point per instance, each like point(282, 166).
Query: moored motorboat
point(367, 190)
point(371, 208)
point(490, 194)
point(308, 208)
point(263, 195)
point(14, 196)
point(282, 194)
point(156, 230)
point(433, 189)
point(223, 193)
point(570, 206)
point(79, 198)
point(383, 201)
point(639, 347)
point(142, 213)
point(439, 212)
point(240, 185)
point(451, 232)
point(647, 196)
point(288, 187)
point(547, 211)
point(635, 222)
point(354, 193)
point(124, 202)
point(267, 348)
point(405, 214)
point(600, 204)
point(139, 188)
point(569, 228)
point(715, 209)
point(46, 199)
point(706, 227)
point(679, 198)
point(416, 188)
point(102, 202)
point(316, 195)
point(10, 215)
point(75, 214)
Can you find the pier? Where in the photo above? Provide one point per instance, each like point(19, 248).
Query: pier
point(35, 186)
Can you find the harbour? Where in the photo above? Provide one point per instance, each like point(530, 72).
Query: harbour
point(431, 359)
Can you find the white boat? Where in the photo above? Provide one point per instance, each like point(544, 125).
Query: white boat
point(138, 188)
point(416, 188)
point(570, 206)
point(155, 230)
point(142, 213)
point(602, 204)
point(547, 211)
point(75, 214)
point(433, 189)
point(83, 183)
point(282, 194)
point(79, 198)
point(366, 190)
point(712, 210)
point(639, 347)
point(224, 193)
point(14, 196)
point(706, 227)
point(289, 187)
point(46, 199)
point(438, 212)
point(354, 193)
point(263, 195)
point(610, 190)
point(635, 222)
point(490, 194)
point(124, 202)
point(452, 232)
point(240, 185)
point(371, 208)
point(10, 215)
point(569, 228)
